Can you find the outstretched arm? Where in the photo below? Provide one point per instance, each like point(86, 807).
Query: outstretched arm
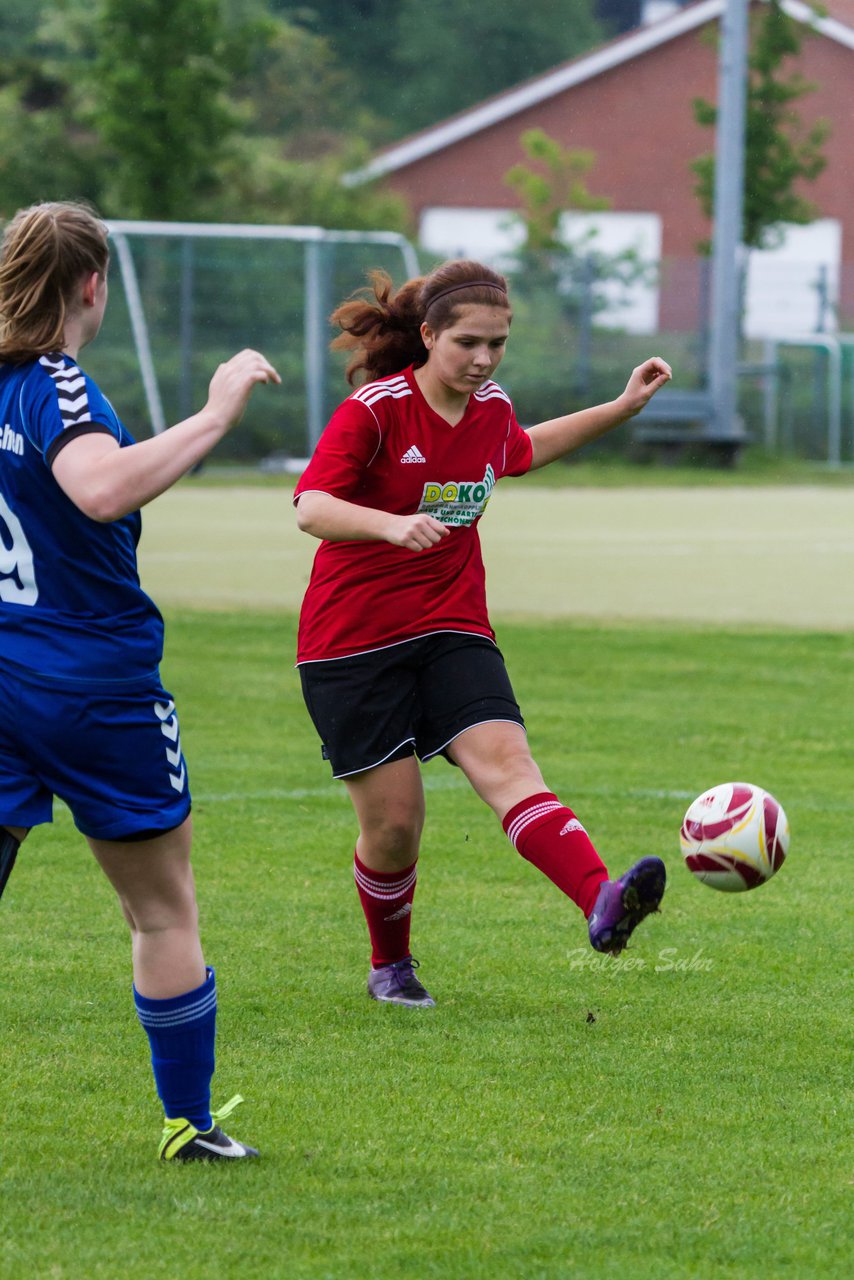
point(106, 482)
point(559, 436)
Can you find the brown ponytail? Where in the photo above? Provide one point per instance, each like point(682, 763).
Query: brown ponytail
point(46, 251)
point(383, 329)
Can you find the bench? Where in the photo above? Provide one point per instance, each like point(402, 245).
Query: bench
point(677, 424)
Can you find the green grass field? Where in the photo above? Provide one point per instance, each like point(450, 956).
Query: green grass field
point(684, 1112)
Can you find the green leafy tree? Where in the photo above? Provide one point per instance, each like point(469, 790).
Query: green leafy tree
point(239, 115)
point(160, 81)
point(553, 186)
point(779, 152)
point(171, 109)
point(564, 282)
point(301, 130)
point(292, 88)
point(47, 148)
point(19, 20)
point(364, 35)
point(260, 183)
point(417, 63)
point(42, 157)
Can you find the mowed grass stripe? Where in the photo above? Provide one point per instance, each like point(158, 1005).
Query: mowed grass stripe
point(780, 556)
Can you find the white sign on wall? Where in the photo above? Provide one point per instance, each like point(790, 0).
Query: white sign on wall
point(793, 290)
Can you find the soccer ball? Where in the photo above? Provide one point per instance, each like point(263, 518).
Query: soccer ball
point(734, 837)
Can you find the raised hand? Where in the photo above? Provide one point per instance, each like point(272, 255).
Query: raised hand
point(644, 381)
point(233, 381)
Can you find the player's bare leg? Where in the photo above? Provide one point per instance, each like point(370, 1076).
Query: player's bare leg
point(389, 804)
point(154, 882)
point(497, 761)
point(174, 991)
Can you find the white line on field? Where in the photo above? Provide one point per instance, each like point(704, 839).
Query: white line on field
point(339, 795)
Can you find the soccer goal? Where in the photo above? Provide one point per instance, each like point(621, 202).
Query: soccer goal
point(194, 293)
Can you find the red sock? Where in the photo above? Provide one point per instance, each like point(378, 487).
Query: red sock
point(548, 834)
point(386, 899)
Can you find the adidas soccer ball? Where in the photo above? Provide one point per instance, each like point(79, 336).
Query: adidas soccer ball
point(734, 837)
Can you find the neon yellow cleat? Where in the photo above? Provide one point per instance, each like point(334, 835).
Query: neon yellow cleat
point(182, 1141)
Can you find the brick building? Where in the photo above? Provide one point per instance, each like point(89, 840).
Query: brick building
point(630, 102)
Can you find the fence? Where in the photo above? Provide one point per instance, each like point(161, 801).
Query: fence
point(186, 296)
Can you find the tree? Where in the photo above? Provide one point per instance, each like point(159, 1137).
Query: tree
point(42, 155)
point(554, 187)
point(47, 149)
point(292, 89)
point(417, 63)
point(160, 82)
point(779, 153)
point(260, 183)
point(171, 109)
point(301, 128)
point(567, 281)
point(19, 21)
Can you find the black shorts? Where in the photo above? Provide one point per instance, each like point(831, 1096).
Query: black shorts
point(410, 698)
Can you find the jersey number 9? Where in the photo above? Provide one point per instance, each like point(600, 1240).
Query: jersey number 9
point(17, 572)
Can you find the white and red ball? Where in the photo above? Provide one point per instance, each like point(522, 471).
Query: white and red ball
point(734, 837)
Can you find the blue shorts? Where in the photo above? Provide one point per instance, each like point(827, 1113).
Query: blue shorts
point(110, 751)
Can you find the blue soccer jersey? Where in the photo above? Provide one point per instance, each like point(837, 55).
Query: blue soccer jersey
point(71, 606)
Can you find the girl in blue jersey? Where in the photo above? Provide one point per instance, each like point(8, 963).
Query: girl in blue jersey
point(83, 714)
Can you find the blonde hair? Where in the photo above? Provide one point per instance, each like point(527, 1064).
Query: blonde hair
point(383, 329)
point(47, 250)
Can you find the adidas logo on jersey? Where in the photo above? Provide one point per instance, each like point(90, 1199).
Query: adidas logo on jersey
point(413, 454)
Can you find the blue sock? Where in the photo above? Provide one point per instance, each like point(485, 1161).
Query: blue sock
point(181, 1032)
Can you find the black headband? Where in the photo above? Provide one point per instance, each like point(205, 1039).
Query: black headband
point(467, 284)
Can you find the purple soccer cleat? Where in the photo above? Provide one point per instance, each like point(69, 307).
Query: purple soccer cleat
point(397, 984)
point(623, 903)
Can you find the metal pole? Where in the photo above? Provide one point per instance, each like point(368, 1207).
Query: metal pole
point(585, 325)
point(140, 332)
point(316, 338)
point(834, 406)
point(726, 241)
point(770, 394)
point(186, 326)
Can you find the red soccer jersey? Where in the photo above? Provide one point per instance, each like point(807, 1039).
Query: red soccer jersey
point(386, 448)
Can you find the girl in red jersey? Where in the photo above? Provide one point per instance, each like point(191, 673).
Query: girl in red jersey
point(396, 653)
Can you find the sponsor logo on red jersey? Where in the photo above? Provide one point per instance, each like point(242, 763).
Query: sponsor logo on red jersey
point(457, 502)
